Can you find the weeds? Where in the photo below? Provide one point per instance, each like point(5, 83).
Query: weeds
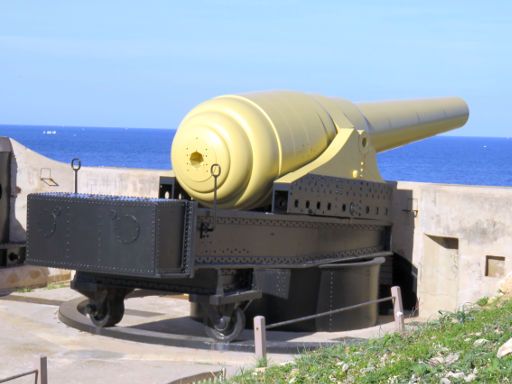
point(459, 346)
point(262, 362)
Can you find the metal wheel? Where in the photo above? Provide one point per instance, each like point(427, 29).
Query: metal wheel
point(107, 314)
point(226, 328)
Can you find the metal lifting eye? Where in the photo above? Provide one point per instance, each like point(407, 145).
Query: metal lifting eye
point(215, 170)
point(76, 164)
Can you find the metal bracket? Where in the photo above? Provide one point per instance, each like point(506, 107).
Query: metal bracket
point(12, 254)
point(169, 188)
point(45, 175)
point(413, 204)
point(215, 171)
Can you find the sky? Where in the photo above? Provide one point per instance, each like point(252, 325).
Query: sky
point(147, 63)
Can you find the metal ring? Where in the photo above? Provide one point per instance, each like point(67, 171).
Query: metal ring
point(76, 164)
point(215, 170)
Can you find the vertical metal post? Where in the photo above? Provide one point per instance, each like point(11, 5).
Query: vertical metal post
point(76, 164)
point(398, 308)
point(215, 171)
point(43, 368)
point(260, 338)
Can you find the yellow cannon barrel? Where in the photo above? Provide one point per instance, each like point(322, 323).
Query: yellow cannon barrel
point(395, 123)
point(257, 138)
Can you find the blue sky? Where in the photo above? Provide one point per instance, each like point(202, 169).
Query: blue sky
point(146, 63)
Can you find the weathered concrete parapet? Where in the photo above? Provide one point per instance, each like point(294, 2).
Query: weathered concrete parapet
point(27, 276)
point(458, 237)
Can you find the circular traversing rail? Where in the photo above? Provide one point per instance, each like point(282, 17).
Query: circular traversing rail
point(72, 314)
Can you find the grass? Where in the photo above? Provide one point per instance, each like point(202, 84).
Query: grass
point(49, 286)
point(24, 290)
point(262, 362)
point(57, 285)
point(459, 346)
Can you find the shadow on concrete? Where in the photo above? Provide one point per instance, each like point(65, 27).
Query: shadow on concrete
point(187, 326)
point(185, 332)
point(399, 269)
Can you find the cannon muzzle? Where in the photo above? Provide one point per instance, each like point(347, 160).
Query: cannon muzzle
point(258, 138)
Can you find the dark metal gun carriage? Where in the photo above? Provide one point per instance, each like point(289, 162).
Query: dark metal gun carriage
point(273, 194)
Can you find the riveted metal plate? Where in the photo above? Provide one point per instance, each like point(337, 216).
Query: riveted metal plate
point(110, 234)
point(335, 197)
point(165, 239)
point(252, 239)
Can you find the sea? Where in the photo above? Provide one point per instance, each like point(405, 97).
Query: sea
point(440, 159)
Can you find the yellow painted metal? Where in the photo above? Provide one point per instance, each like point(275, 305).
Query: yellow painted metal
point(349, 156)
point(258, 138)
point(395, 123)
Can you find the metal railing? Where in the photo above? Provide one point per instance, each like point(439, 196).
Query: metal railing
point(322, 314)
point(41, 372)
point(34, 372)
point(260, 337)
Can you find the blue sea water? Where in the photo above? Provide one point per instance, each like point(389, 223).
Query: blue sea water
point(441, 159)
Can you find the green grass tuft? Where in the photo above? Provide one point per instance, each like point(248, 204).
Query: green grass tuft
point(24, 290)
point(262, 362)
point(57, 285)
point(483, 301)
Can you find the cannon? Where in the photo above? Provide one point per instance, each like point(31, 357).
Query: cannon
point(274, 203)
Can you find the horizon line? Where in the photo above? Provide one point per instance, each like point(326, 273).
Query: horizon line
point(445, 134)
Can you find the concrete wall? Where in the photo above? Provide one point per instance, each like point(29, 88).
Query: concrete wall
point(458, 237)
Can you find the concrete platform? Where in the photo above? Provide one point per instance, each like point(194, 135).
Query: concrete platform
point(30, 327)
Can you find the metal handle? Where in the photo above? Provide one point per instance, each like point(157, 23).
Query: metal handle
point(215, 171)
point(76, 164)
